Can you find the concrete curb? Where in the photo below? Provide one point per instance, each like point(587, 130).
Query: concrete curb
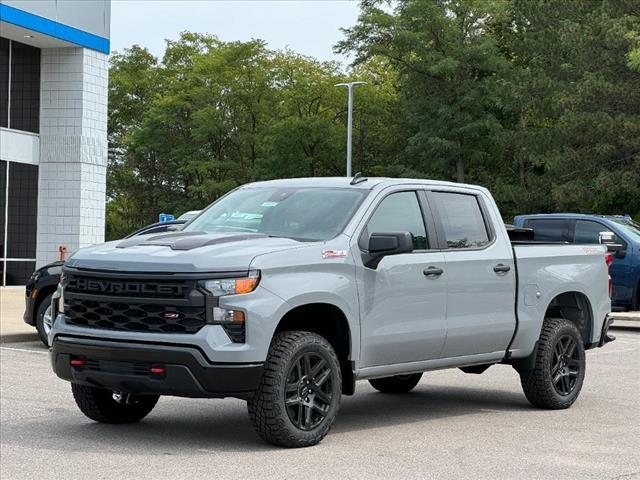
point(19, 337)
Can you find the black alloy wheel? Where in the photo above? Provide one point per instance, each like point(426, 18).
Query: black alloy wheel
point(566, 365)
point(308, 391)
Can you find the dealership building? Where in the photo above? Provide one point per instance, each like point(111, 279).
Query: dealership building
point(53, 130)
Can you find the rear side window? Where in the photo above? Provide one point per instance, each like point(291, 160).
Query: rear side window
point(400, 212)
point(550, 229)
point(589, 232)
point(462, 220)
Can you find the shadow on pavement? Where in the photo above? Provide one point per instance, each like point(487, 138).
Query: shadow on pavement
point(374, 410)
point(206, 426)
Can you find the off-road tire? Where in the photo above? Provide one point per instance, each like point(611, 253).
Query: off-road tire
point(98, 404)
point(42, 308)
point(537, 383)
point(267, 409)
point(397, 384)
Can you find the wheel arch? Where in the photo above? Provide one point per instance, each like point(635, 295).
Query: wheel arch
point(43, 292)
point(574, 306)
point(330, 321)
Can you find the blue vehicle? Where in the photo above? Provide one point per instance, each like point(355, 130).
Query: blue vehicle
point(586, 229)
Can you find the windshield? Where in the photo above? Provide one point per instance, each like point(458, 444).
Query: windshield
point(630, 227)
point(305, 214)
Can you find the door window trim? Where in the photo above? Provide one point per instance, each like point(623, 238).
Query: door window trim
point(427, 220)
point(484, 212)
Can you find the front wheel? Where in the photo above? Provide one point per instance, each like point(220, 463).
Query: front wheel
point(556, 379)
point(299, 395)
point(106, 406)
point(397, 384)
point(44, 320)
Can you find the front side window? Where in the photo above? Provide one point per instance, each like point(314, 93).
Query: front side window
point(462, 220)
point(304, 214)
point(400, 212)
point(589, 232)
point(550, 229)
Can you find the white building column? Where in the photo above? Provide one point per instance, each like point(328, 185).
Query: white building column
point(73, 150)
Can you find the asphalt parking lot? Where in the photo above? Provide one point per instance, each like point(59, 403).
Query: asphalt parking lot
point(453, 425)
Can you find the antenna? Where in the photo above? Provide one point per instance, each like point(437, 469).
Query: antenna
point(358, 178)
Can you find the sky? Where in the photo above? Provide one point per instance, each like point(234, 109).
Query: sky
point(310, 27)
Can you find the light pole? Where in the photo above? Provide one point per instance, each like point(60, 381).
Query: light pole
point(349, 86)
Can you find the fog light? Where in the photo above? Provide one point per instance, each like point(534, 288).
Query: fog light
point(222, 315)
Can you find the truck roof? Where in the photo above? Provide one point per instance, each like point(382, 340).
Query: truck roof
point(365, 183)
point(574, 215)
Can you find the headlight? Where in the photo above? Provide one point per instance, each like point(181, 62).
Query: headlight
point(233, 286)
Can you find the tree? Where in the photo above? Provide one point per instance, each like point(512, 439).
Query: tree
point(537, 100)
point(448, 68)
point(212, 115)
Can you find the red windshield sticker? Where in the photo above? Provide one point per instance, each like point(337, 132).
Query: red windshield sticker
point(334, 254)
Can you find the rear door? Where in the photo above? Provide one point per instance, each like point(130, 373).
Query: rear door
point(480, 274)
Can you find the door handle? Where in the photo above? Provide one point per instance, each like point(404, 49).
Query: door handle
point(433, 272)
point(500, 268)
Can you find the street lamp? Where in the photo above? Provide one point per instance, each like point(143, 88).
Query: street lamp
point(349, 86)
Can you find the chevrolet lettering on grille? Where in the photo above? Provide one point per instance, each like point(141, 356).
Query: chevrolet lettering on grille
point(127, 288)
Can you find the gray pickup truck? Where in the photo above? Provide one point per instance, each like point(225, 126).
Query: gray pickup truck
point(286, 292)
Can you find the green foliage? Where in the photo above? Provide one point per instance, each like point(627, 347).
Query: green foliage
point(539, 100)
point(536, 99)
point(212, 115)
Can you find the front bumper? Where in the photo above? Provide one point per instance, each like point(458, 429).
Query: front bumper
point(29, 310)
point(127, 367)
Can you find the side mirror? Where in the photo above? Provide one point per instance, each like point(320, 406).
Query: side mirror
point(384, 244)
point(609, 239)
point(617, 249)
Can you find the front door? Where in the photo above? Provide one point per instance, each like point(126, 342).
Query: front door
point(588, 231)
point(402, 305)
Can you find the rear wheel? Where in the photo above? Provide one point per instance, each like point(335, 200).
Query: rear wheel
point(396, 384)
point(556, 379)
point(106, 406)
point(299, 394)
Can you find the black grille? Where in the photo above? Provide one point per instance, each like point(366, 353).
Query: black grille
point(125, 368)
point(142, 317)
point(127, 288)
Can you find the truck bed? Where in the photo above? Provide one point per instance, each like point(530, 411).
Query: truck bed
point(546, 270)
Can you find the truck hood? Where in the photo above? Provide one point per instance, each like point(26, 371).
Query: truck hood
point(181, 252)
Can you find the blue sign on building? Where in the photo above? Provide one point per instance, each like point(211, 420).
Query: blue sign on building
point(166, 217)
